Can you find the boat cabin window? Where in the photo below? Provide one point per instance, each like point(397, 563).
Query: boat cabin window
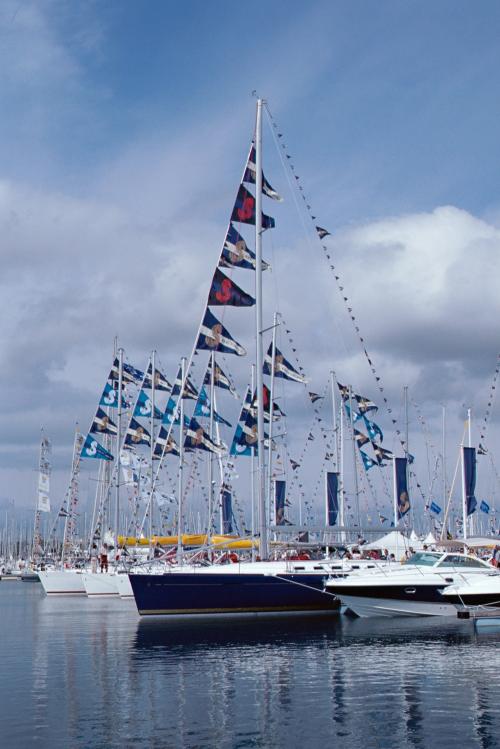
point(457, 560)
point(424, 558)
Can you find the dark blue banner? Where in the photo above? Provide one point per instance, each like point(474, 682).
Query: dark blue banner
point(227, 512)
point(332, 497)
point(401, 486)
point(470, 478)
point(279, 501)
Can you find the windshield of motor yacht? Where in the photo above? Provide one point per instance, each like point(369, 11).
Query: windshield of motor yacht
point(424, 558)
point(462, 560)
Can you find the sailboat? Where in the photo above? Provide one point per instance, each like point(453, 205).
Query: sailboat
point(65, 579)
point(263, 586)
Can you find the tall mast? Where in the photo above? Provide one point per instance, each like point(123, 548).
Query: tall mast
point(210, 460)
point(405, 390)
point(260, 396)
point(464, 496)
point(469, 439)
point(259, 358)
point(334, 420)
point(118, 442)
point(443, 450)
point(342, 472)
point(36, 530)
point(180, 523)
point(151, 500)
point(69, 521)
point(395, 493)
point(252, 473)
point(356, 489)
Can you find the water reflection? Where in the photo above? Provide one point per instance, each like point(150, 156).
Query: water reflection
point(98, 676)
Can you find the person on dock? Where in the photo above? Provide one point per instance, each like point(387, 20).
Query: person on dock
point(158, 550)
point(104, 558)
point(93, 558)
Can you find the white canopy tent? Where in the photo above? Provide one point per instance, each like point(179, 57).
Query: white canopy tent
point(394, 542)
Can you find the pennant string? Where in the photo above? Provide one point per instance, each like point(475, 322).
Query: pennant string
point(489, 403)
point(321, 234)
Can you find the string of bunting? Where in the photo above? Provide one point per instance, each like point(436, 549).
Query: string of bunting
point(297, 464)
point(425, 427)
point(436, 456)
point(296, 469)
point(482, 450)
point(321, 235)
point(365, 474)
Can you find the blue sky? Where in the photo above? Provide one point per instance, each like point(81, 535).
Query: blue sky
point(390, 95)
point(124, 132)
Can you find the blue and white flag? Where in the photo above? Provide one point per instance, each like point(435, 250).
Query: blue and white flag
point(469, 478)
point(160, 381)
point(129, 373)
point(235, 253)
point(137, 434)
point(245, 407)
point(144, 407)
point(220, 379)
point(238, 445)
point(250, 432)
point(168, 415)
point(373, 429)
point(360, 438)
point(109, 397)
point(189, 389)
point(355, 415)
point(401, 486)
point(214, 337)
point(367, 461)
point(202, 408)
point(484, 507)
point(92, 449)
point(251, 177)
point(197, 438)
point(102, 424)
point(382, 454)
point(244, 210)
point(164, 444)
point(435, 508)
point(363, 404)
point(282, 367)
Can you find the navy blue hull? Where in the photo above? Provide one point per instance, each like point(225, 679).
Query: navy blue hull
point(206, 593)
point(475, 599)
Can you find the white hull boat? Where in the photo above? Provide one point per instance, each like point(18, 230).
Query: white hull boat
point(124, 586)
point(415, 589)
point(100, 584)
point(62, 582)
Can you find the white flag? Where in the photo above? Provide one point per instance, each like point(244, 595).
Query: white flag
point(43, 482)
point(43, 502)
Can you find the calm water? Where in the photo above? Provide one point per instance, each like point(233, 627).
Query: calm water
point(79, 673)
